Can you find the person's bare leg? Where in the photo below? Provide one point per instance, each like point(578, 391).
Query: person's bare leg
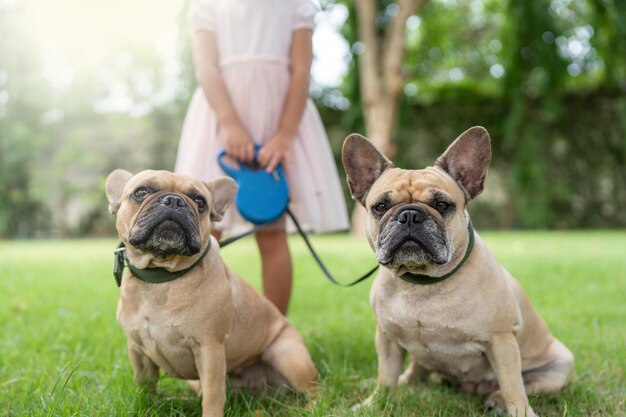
point(276, 267)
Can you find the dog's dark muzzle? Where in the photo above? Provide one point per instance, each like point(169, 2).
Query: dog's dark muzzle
point(167, 225)
point(410, 232)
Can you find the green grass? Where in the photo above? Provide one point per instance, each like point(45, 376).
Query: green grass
point(62, 352)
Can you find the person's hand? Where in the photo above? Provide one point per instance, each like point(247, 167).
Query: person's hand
point(277, 150)
point(238, 142)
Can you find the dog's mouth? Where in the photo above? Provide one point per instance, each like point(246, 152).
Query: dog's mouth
point(165, 232)
point(412, 249)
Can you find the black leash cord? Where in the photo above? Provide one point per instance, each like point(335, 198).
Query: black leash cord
point(319, 261)
point(233, 239)
point(325, 270)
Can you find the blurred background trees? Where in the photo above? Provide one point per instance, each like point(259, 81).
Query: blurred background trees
point(546, 77)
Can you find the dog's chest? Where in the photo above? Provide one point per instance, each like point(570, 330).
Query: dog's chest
point(441, 341)
point(160, 336)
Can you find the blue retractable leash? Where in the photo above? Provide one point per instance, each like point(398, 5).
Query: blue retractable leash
point(262, 198)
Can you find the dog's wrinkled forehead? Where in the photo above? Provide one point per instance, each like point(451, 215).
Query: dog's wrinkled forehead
point(165, 181)
point(411, 186)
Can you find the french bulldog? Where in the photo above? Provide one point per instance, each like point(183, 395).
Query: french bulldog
point(440, 294)
point(182, 309)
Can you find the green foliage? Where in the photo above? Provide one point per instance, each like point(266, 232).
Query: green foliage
point(63, 352)
point(545, 77)
point(23, 97)
point(19, 209)
point(59, 140)
point(610, 16)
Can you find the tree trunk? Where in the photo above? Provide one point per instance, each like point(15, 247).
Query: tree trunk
point(381, 79)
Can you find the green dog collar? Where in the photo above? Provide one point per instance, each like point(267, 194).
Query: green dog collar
point(420, 279)
point(151, 275)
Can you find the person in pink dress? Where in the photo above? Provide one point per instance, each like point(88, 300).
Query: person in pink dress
point(252, 61)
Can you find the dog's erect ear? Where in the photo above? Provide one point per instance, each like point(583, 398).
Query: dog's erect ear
point(363, 164)
point(114, 186)
point(467, 160)
point(223, 190)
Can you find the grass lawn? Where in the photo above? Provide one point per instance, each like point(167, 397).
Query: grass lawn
point(62, 352)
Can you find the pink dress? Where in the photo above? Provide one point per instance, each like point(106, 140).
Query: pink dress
point(254, 39)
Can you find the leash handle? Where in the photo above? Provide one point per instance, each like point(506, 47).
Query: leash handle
point(262, 197)
point(230, 170)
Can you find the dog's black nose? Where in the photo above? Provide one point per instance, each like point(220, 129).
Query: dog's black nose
point(411, 215)
point(173, 200)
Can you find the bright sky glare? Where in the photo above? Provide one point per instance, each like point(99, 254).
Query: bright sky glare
point(75, 31)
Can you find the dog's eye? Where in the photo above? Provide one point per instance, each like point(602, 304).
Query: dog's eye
point(141, 193)
point(380, 208)
point(200, 202)
point(442, 206)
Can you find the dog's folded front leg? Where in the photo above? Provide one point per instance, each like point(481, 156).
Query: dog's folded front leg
point(414, 372)
point(146, 371)
point(211, 363)
point(504, 356)
point(390, 360)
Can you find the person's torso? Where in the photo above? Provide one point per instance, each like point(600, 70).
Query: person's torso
point(249, 30)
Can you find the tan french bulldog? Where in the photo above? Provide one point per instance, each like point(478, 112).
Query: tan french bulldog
point(181, 308)
point(440, 294)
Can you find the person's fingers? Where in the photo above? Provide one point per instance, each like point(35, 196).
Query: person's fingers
point(238, 153)
point(229, 148)
point(273, 163)
point(262, 157)
point(242, 155)
point(232, 152)
point(247, 152)
point(269, 152)
point(287, 161)
point(235, 152)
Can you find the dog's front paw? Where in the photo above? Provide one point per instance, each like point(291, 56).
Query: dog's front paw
point(381, 392)
point(365, 404)
point(495, 405)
